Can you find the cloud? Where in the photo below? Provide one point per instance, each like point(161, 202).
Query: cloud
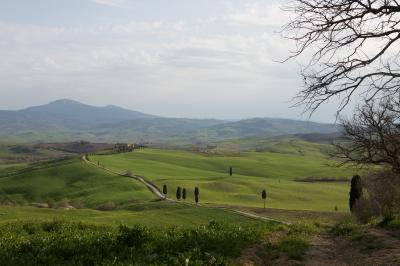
point(259, 14)
point(113, 3)
point(207, 66)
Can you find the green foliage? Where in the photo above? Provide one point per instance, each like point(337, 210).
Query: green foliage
point(394, 223)
point(294, 243)
point(178, 193)
point(66, 243)
point(347, 227)
point(196, 194)
point(295, 247)
point(264, 194)
point(184, 193)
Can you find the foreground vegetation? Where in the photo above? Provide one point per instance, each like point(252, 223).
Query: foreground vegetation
point(66, 243)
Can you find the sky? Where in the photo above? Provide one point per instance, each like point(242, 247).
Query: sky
point(176, 58)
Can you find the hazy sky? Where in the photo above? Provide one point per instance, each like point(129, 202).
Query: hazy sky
point(181, 58)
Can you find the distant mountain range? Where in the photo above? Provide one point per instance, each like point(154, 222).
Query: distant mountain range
point(68, 120)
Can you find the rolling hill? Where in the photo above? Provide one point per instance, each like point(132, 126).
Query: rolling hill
point(68, 120)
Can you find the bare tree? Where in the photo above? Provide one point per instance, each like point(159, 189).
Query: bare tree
point(354, 46)
point(372, 136)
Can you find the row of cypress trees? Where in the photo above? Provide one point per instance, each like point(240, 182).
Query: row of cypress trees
point(181, 193)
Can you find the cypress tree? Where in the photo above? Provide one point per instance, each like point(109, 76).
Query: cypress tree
point(355, 191)
point(196, 194)
point(230, 171)
point(264, 196)
point(178, 193)
point(164, 190)
point(184, 193)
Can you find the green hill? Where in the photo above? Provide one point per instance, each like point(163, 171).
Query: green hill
point(71, 180)
point(253, 171)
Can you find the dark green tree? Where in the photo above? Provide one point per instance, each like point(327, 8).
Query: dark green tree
point(264, 196)
point(184, 193)
point(355, 191)
point(178, 193)
point(165, 190)
point(230, 171)
point(196, 194)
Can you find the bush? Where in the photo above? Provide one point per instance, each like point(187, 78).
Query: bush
point(382, 197)
point(346, 227)
point(293, 243)
point(108, 206)
point(295, 247)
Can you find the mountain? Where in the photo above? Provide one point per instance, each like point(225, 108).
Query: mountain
point(67, 120)
point(64, 115)
point(269, 127)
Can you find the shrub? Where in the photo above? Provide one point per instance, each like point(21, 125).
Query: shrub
point(129, 173)
point(295, 247)
point(51, 203)
point(346, 227)
point(108, 206)
point(78, 204)
point(382, 197)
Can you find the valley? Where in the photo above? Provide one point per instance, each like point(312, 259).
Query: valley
point(55, 189)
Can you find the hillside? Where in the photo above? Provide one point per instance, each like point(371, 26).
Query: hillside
point(67, 120)
point(277, 171)
point(69, 179)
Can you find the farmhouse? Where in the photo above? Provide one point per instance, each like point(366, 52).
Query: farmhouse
point(124, 147)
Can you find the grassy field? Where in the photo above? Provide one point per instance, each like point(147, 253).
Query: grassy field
point(253, 171)
point(152, 214)
point(71, 180)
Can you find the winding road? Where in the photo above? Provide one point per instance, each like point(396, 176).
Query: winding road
point(156, 191)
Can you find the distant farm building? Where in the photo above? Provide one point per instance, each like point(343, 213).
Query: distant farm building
point(128, 147)
point(124, 147)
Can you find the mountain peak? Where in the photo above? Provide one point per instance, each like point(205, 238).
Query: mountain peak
point(64, 102)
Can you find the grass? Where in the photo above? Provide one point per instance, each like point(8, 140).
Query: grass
point(253, 171)
point(293, 216)
point(153, 214)
point(71, 180)
point(69, 243)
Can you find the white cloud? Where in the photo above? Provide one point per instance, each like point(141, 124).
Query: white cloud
point(114, 3)
point(257, 13)
point(210, 67)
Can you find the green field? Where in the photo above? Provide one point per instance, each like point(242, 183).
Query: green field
point(153, 214)
point(253, 171)
point(71, 180)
